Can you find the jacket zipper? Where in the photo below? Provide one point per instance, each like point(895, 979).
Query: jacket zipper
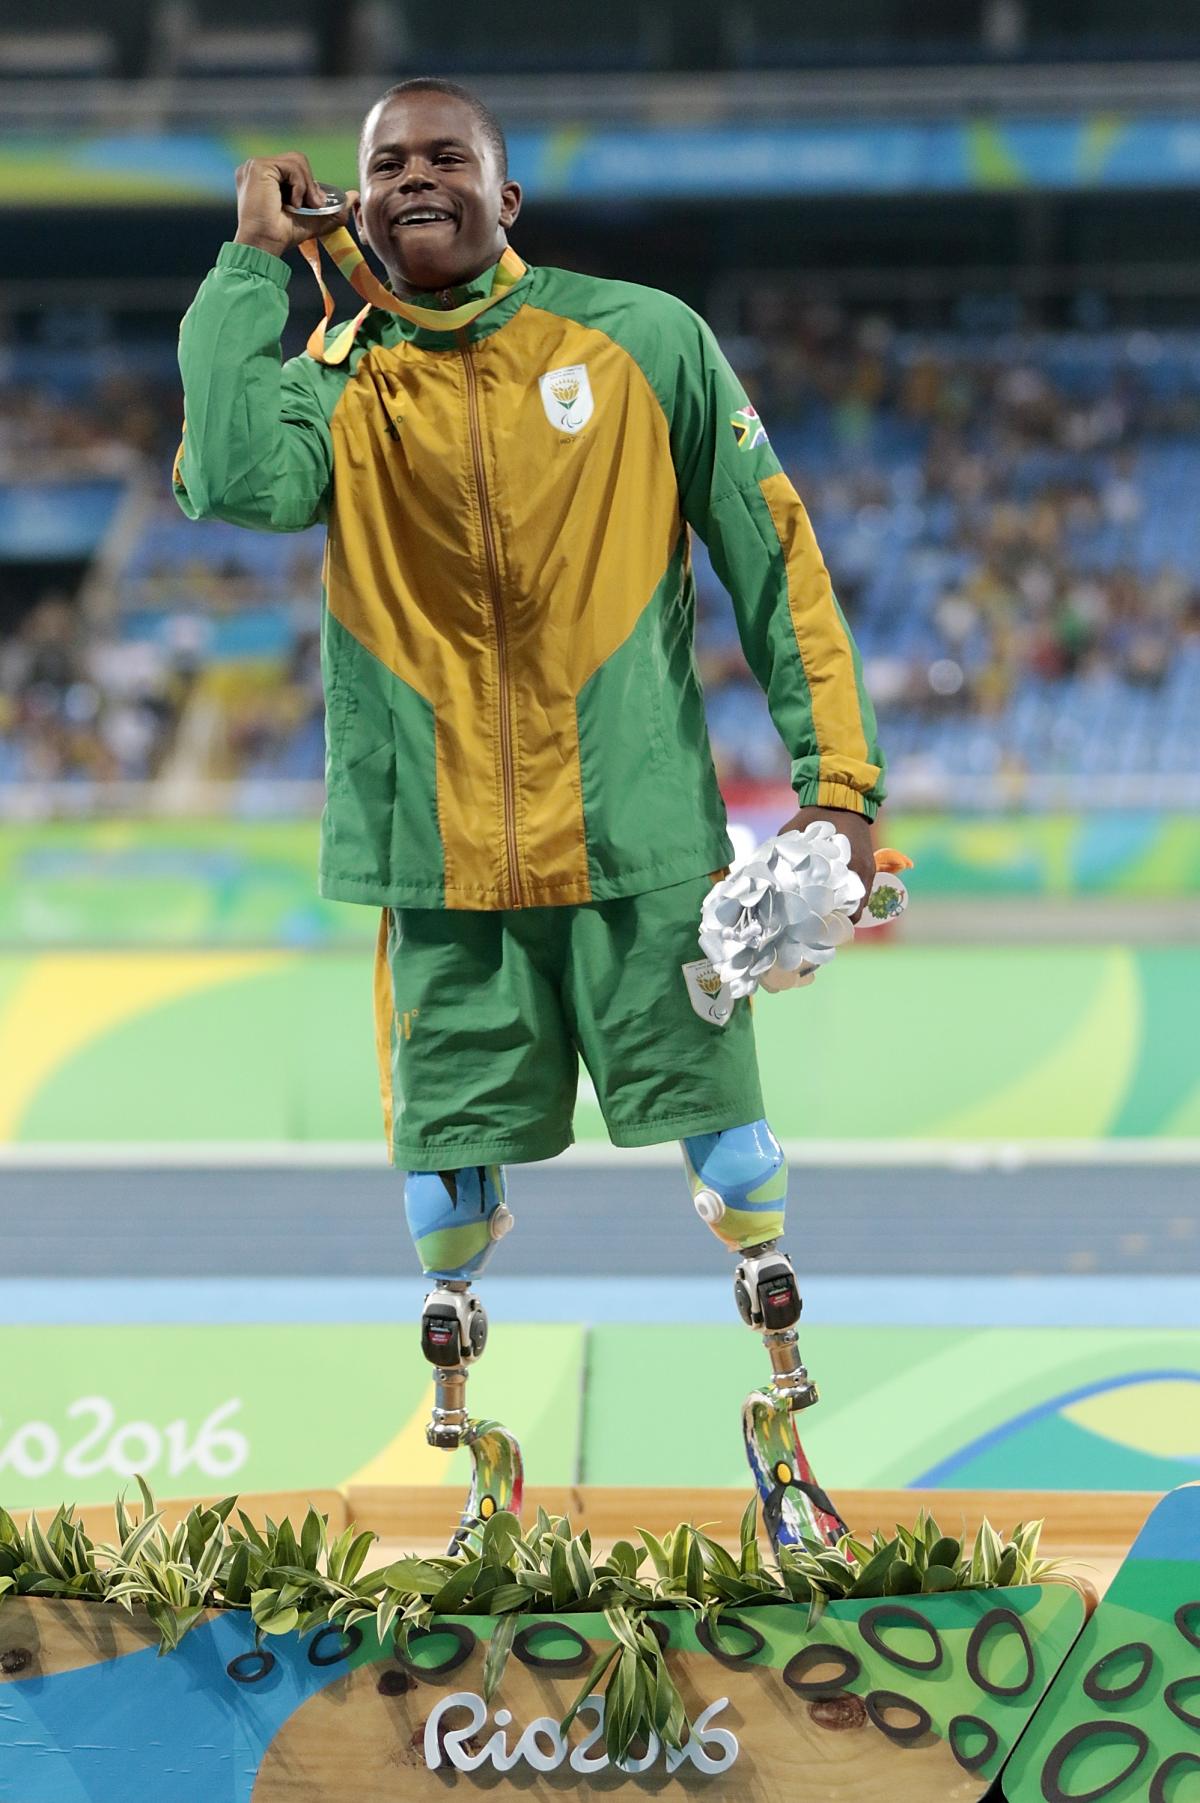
point(493, 576)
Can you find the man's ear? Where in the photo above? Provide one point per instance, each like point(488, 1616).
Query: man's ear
point(510, 203)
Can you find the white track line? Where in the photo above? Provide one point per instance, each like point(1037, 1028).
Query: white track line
point(960, 1155)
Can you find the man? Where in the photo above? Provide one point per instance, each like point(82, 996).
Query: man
point(518, 771)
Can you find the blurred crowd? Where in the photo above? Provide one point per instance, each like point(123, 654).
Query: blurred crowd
point(1008, 523)
point(1002, 516)
point(112, 431)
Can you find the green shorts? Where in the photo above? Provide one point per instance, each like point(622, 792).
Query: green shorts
point(481, 1019)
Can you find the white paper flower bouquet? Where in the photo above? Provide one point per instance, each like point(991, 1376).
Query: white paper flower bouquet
point(775, 919)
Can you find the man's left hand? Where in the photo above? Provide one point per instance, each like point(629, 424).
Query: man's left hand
point(857, 828)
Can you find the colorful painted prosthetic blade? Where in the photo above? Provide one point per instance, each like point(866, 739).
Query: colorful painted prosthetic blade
point(497, 1479)
point(794, 1505)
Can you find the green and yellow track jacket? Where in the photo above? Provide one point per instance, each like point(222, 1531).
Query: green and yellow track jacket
point(514, 716)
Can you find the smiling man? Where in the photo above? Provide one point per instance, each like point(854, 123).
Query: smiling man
point(518, 773)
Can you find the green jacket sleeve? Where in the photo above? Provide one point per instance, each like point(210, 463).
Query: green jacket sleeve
point(793, 632)
point(256, 444)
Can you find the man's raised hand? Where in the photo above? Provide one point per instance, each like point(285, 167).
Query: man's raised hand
point(266, 186)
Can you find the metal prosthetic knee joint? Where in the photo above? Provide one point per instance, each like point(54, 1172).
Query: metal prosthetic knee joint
point(456, 1218)
point(454, 1329)
point(768, 1299)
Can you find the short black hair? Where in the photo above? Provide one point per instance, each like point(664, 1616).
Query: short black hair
point(493, 131)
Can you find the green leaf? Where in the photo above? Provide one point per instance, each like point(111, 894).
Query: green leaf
point(902, 1579)
point(946, 1551)
point(938, 1577)
point(252, 1533)
point(582, 1574)
point(681, 1542)
point(991, 1549)
point(385, 1615)
point(147, 1493)
point(506, 1597)
point(715, 1558)
point(282, 1623)
point(599, 1666)
point(418, 1575)
point(210, 1560)
point(873, 1575)
point(797, 1584)
point(359, 1549)
point(455, 1591)
point(619, 1723)
point(44, 1553)
point(496, 1657)
point(618, 1620)
point(499, 1537)
point(625, 1558)
point(560, 1575)
point(1006, 1570)
point(166, 1621)
point(194, 1534)
point(658, 1553)
point(287, 1552)
point(311, 1536)
point(234, 1587)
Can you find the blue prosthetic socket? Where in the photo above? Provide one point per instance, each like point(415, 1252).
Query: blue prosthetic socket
point(455, 1218)
point(739, 1185)
point(738, 1180)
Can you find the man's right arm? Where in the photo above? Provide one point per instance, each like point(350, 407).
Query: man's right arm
point(256, 444)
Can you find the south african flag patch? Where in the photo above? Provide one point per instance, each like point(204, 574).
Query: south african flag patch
point(748, 429)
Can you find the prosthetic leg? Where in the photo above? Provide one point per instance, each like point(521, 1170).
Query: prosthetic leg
point(455, 1218)
point(738, 1180)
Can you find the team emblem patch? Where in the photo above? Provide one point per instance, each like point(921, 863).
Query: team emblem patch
point(748, 429)
point(708, 995)
point(567, 397)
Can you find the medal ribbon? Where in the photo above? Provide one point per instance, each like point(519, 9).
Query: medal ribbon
point(354, 267)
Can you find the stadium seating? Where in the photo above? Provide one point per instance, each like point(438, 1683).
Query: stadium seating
point(1010, 525)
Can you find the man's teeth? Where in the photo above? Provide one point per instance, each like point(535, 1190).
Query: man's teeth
point(426, 218)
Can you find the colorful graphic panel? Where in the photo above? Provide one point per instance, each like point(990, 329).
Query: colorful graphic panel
point(1010, 1043)
point(238, 882)
point(580, 161)
point(204, 1410)
point(923, 1698)
point(1052, 1409)
point(1122, 1720)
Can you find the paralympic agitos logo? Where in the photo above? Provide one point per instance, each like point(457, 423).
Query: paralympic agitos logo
point(543, 1748)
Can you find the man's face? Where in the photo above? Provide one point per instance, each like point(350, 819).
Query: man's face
point(433, 207)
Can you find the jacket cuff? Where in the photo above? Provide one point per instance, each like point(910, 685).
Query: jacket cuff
point(253, 261)
point(836, 795)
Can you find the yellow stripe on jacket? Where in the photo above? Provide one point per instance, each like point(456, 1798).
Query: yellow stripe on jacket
point(408, 571)
point(824, 647)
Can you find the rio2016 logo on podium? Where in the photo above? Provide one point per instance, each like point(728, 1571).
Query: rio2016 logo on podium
point(542, 1747)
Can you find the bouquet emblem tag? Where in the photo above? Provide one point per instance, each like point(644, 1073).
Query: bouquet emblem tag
point(709, 996)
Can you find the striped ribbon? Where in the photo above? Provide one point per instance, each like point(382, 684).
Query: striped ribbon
point(354, 267)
